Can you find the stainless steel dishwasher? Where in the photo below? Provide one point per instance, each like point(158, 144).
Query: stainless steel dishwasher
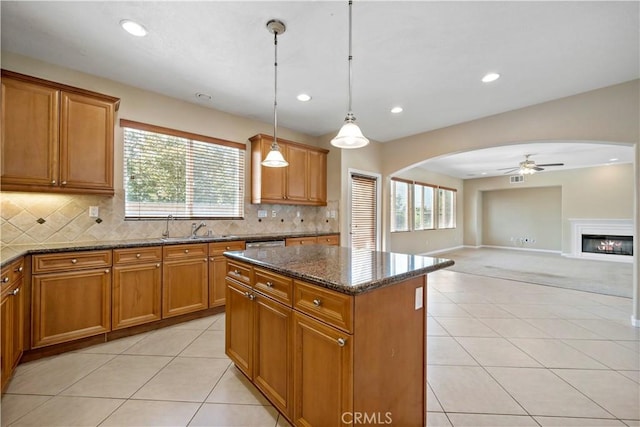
point(266, 244)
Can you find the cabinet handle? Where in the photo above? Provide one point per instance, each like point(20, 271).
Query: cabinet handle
point(106, 271)
point(64, 182)
point(53, 182)
point(211, 259)
point(74, 261)
point(5, 279)
point(205, 260)
point(138, 255)
point(18, 270)
point(158, 265)
point(342, 342)
point(236, 272)
point(15, 291)
point(317, 302)
point(228, 248)
point(186, 251)
point(269, 284)
point(302, 242)
point(250, 296)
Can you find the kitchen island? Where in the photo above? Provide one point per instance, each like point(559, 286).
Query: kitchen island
point(332, 335)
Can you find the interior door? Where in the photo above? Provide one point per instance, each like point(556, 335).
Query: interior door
point(364, 225)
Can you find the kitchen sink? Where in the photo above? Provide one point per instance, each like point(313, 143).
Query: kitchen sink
point(189, 238)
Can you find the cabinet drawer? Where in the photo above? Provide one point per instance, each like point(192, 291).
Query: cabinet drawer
point(71, 261)
point(326, 305)
point(12, 272)
point(217, 248)
point(240, 272)
point(332, 240)
point(185, 251)
point(274, 285)
point(137, 255)
point(302, 241)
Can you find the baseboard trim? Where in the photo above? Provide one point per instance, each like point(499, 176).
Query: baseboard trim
point(627, 260)
point(549, 251)
point(635, 321)
point(439, 251)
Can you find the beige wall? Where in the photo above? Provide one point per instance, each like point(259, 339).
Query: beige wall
point(66, 215)
point(529, 218)
point(604, 192)
point(425, 241)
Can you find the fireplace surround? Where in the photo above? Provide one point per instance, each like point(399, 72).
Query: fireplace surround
point(602, 239)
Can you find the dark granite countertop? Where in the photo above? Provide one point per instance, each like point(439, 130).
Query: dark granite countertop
point(9, 253)
point(346, 270)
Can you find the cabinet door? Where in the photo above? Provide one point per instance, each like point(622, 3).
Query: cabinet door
point(317, 192)
point(6, 340)
point(86, 142)
point(12, 331)
point(137, 294)
point(297, 174)
point(184, 286)
point(70, 305)
point(268, 184)
point(29, 134)
point(239, 326)
point(272, 366)
point(323, 370)
point(217, 274)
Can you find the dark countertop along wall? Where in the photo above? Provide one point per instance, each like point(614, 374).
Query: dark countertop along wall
point(346, 270)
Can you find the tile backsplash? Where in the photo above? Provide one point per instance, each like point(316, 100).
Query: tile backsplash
point(29, 218)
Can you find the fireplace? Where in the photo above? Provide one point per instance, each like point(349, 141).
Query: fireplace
point(606, 244)
point(602, 239)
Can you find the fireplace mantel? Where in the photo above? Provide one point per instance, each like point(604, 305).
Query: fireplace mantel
point(616, 227)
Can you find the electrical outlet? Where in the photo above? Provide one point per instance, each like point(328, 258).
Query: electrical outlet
point(298, 214)
point(328, 214)
point(262, 214)
point(273, 214)
point(94, 211)
point(333, 214)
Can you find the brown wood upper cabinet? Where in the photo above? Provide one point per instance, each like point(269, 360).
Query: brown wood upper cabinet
point(303, 182)
point(55, 138)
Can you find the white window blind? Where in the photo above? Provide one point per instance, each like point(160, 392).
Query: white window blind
point(400, 204)
point(363, 212)
point(170, 172)
point(446, 207)
point(423, 203)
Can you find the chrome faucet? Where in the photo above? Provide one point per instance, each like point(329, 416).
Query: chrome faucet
point(165, 233)
point(195, 228)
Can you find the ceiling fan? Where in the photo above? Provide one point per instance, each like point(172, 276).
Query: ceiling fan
point(529, 167)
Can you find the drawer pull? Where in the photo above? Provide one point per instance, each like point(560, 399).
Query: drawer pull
point(18, 270)
point(15, 291)
point(186, 251)
point(158, 265)
point(342, 342)
point(302, 242)
point(138, 255)
point(74, 261)
point(107, 271)
point(317, 302)
point(53, 182)
point(236, 272)
point(250, 296)
point(204, 259)
point(228, 247)
point(5, 280)
point(269, 284)
point(64, 182)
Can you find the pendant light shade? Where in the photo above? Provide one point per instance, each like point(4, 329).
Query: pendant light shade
point(274, 158)
point(350, 135)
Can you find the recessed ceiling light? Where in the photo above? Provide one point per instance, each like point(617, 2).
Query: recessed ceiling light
point(613, 160)
point(304, 97)
point(133, 28)
point(483, 173)
point(396, 110)
point(490, 77)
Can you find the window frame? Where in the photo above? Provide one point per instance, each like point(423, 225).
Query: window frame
point(185, 209)
point(441, 206)
point(434, 189)
point(408, 208)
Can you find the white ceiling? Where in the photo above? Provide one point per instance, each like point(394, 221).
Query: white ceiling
point(425, 56)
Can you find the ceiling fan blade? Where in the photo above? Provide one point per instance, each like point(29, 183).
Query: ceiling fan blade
point(504, 169)
point(538, 168)
point(511, 170)
point(552, 164)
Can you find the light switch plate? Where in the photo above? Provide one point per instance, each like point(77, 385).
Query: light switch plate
point(262, 213)
point(419, 297)
point(93, 211)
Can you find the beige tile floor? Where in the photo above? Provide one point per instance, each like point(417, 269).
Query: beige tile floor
point(500, 353)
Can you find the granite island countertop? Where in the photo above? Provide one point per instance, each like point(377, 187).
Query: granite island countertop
point(9, 253)
point(346, 270)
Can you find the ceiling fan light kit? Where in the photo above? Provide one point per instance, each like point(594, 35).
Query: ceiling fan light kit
point(529, 167)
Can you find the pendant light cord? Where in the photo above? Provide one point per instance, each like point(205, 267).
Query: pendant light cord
point(349, 112)
point(274, 145)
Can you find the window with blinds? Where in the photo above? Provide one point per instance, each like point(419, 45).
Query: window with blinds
point(400, 204)
point(423, 203)
point(170, 172)
point(363, 212)
point(446, 207)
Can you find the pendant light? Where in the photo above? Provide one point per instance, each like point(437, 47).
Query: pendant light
point(275, 159)
point(350, 135)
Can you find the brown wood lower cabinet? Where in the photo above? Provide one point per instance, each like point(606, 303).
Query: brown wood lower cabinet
point(218, 270)
point(328, 358)
point(70, 305)
point(185, 287)
point(11, 320)
point(137, 286)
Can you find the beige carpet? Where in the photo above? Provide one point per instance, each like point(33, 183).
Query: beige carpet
point(603, 277)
